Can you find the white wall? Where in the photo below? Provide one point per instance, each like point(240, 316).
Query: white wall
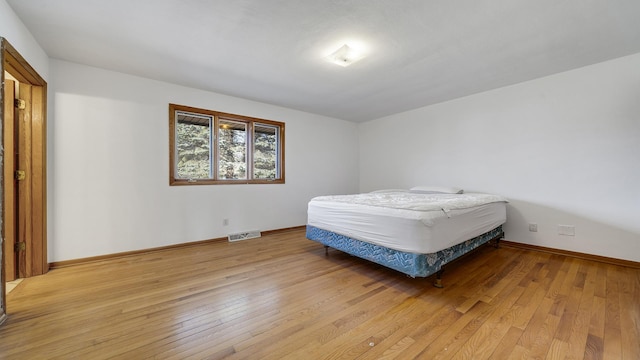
point(565, 149)
point(12, 29)
point(108, 170)
point(110, 185)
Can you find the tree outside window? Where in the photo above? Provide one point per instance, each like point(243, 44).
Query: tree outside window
point(209, 147)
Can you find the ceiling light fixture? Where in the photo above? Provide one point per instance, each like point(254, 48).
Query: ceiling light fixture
point(345, 56)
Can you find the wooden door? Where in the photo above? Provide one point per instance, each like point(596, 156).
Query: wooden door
point(24, 142)
point(24, 202)
point(9, 190)
point(31, 191)
point(24, 192)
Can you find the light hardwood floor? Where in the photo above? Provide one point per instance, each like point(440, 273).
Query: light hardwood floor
point(280, 297)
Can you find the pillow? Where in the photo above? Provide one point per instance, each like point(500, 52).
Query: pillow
point(435, 190)
point(389, 191)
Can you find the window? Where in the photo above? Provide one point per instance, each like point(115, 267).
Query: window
point(210, 147)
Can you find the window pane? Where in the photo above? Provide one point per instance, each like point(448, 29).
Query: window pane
point(232, 150)
point(265, 152)
point(193, 146)
point(210, 148)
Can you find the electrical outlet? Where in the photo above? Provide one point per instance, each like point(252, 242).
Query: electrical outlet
point(567, 230)
point(225, 222)
point(533, 227)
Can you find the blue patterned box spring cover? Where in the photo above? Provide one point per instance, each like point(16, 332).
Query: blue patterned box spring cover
point(414, 265)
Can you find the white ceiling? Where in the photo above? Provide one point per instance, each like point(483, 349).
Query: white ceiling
point(420, 52)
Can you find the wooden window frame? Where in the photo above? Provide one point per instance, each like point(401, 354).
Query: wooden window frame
point(217, 116)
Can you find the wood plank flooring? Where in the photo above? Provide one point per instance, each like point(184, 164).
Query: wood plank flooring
point(280, 297)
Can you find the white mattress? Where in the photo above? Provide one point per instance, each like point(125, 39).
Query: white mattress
point(408, 230)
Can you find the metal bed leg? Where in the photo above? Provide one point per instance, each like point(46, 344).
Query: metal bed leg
point(497, 240)
point(438, 282)
point(326, 250)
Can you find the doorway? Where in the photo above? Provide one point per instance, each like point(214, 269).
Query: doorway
point(23, 210)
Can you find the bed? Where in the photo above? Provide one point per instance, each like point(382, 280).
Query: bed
point(414, 231)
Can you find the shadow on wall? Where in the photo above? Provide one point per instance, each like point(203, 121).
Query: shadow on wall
point(592, 236)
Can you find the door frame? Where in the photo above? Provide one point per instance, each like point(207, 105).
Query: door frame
point(35, 203)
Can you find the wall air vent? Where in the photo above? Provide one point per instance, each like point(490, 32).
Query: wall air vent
point(244, 235)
